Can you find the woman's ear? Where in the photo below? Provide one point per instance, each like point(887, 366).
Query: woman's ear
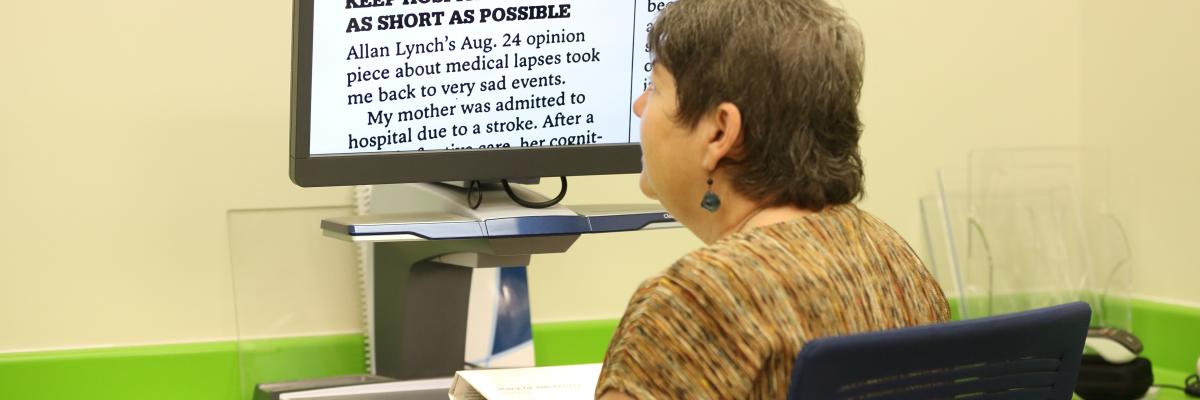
point(724, 135)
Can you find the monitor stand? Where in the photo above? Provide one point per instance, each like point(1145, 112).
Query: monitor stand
point(426, 240)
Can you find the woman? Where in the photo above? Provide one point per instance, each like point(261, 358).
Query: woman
point(750, 139)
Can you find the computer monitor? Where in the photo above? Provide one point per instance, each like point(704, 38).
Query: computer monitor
point(397, 91)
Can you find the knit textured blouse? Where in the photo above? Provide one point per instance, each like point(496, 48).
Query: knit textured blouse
point(727, 320)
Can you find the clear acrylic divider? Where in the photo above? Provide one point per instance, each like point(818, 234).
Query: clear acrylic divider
point(298, 297)
point(1039, 233)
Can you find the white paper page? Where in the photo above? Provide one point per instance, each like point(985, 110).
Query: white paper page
point(560, 383)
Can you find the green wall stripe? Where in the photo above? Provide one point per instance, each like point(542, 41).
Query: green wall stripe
point(201, 371)
point(184, 372)
point(278, 360)
point(1170, 333)
point(565, 343)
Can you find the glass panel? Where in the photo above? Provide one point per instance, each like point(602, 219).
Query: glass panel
point(299, 307)
point(1039, 233)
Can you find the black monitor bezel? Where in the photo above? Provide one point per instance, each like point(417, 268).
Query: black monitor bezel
point(307, 170)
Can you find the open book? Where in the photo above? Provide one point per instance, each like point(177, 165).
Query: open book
point(559, 383)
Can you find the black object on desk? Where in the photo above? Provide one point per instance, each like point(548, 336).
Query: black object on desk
point(272, 391)
point(1101, 380)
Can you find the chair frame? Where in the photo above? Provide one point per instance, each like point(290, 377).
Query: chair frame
point(1029, 355)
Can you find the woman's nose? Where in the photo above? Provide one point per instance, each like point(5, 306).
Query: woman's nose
point(639, 105)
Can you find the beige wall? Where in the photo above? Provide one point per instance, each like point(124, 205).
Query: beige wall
point(1141, 100)
point(143, 161)
point(130, 130)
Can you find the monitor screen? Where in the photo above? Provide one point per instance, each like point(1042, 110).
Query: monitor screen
point(389, 91)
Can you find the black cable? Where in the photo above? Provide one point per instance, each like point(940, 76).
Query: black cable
point(473, 188)
point(529, 204)
point(1191, 386)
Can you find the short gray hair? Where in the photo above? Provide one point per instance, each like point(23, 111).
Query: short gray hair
point(794, 68)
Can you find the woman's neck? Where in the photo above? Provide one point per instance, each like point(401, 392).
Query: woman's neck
point(752, 216)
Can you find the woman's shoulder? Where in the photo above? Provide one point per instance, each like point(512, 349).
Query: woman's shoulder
point(804, 243)
point(689, 281)
point(719, 269)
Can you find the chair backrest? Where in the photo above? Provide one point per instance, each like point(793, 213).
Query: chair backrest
point(1028, 355)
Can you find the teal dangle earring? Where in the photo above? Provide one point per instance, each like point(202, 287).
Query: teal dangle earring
point(711, 201)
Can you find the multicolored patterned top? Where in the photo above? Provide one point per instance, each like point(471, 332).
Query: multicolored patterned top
point(727, 320)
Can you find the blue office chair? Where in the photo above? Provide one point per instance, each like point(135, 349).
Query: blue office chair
point(1029, 355)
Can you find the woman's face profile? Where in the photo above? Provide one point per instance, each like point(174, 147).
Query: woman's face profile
point(667, 148)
